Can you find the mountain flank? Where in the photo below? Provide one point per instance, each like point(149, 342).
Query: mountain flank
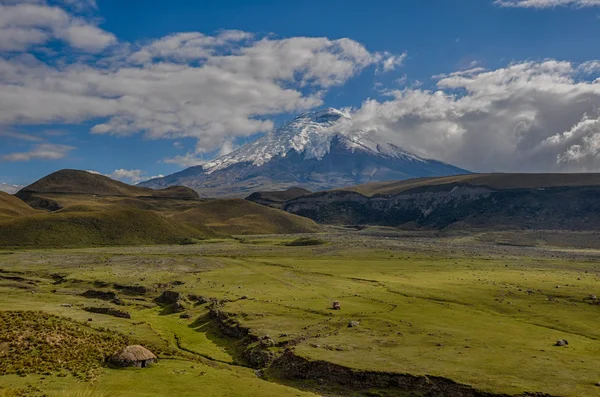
point(11, 207)
point(276, 199)
point(487, 201)
point(496, 181)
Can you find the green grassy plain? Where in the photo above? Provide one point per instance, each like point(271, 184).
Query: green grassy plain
point(473, 311)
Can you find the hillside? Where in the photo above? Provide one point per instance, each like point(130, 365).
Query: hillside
point(495, 181)
point(83, 182)
point(237, 216)
point(111, 227)
point(490, 201)
point(102, 211)
point(11, 206)
point(276, 199)
point(309, 152)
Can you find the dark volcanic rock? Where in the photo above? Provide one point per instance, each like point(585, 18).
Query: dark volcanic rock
point(104, 295)
point(463, 205)
point(169, 297)
point(108, 311)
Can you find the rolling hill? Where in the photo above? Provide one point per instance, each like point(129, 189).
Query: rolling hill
point(276, 199)
point(11, 207)
point(77, 208)
point(100, 228)
point(237, 216)
point(486, 201)
point(83, 182)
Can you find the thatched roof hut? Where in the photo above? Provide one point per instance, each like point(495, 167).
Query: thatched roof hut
point(133, 356)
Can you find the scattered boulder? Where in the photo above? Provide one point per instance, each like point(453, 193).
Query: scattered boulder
point(95, 294)
point(176, 307)
point(266, 341)
point(185, 315)
point(108, 311)
point(200, 300)
point(353, 324)
point(336, 306)
point(66, 305)
point(562, 342)
point(131, 289)
point(169, 297)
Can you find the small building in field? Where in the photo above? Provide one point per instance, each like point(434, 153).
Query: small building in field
point(133, 356)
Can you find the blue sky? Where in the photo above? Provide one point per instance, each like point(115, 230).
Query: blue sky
point(135, 89)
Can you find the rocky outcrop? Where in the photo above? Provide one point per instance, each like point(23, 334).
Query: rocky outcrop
point(108, 311)
point(294, 367)
point(458, 205)
point(280, 361)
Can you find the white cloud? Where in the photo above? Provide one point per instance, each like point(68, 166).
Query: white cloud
point(9, 188)
point(133, 176)
point(44, 151)
point(525, 117)
point(188, 160)
point(129, 176)
point(210, 88)
point(547, 3)
point(19, 136)
point(391, 62)
point(28, 24)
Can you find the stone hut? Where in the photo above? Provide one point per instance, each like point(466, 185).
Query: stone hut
point(133, 356)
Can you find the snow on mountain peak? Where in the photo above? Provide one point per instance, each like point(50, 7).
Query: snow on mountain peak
point(309, 134)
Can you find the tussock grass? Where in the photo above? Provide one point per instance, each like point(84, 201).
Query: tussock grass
point(111, 227)
point(40, 343)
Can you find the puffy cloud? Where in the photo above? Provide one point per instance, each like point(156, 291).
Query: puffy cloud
point(210, 88)
point(28, 24)
point(44, 151)
point(129, 176)
point(547, 3)
point(525, 117)
point(187, 160)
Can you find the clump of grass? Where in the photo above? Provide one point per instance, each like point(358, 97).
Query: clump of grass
point(41, 343)
point(305, 241)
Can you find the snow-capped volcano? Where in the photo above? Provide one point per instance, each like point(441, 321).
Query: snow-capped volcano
point(309, 134)
point(309, 153)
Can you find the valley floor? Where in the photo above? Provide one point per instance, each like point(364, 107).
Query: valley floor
point(481, 309)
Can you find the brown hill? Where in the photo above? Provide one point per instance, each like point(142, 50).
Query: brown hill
point(83, 182)
point(237, 216)
point(85, 209)
point(276, 199)
point(11, 206)
point(495, 181)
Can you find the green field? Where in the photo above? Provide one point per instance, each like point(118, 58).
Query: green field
point(474, 310)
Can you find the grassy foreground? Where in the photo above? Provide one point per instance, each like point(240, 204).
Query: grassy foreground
point(475, 312)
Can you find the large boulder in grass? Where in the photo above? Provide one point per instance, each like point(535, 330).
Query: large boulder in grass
point(169, 297)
